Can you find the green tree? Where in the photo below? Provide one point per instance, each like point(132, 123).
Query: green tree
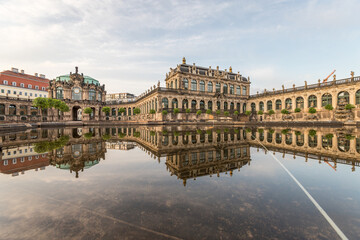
point(199, 112)
point(285, 111)
point(152, 111)
point(106, 110)
point(312, 132)
point(121, 110)
point(260, 112)
point(271, 112)
point(164, 112)
point(329, 107)
point(247, 113)
point(187, 110)
point(88, 110)
point(226, 113)
point(349, 106)
point(208, 111)
point(236, 113)
point(217, 112)
point(176, 110)
point(297, 110)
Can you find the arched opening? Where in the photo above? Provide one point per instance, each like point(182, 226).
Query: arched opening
point(244, 107)
point(312, 101)
point(231, 106)
point(278, 104)
point(193, 104)
point(326, 99)
point(253, 107)
point(210, 86)
point(269, 105)
point(59, 93)
point(174, 103)
point(210, 105)
point(343, 97)
point(225, 89)
point(2, 109)
point(218, 104)
point(300, 102)
point(193, 85)
point(288, 103)
point(92, 95)
point(77, 113)
point(225, 106)
point(357, 97)
point(217, 87)
point(261, 106)
point(12, 110)
point(165, 103)
point(185, 104)
point(202, 105)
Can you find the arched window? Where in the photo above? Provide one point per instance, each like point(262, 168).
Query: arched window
point(312, 141)
point(244, 107)
point(174, 103)
point(326, 99)
point(92, 95)
point(231, 106)
point(193, 85)
point(343, 145)
point(210, 105)
point(225, 105)
point(253, 107)
point(218, 105)
point(288, 103)
point(238, 107)
point(278, 104)
point(312, 101)
point(165, 103)
point(261, 106)
point(113, 112)
point(202, 86)
point(76, 93)
point(185, 104)
point(59, 93)
point(217, 87)
point(185, 83)
point(210, 86)
point(202, 105)
point(300, 102)
point(269, 105)
point(171, 85)
point(357, 97)
point(300, 140)
point(129, 111)
point(225, 88)
point(193, 104)
point(343, 97)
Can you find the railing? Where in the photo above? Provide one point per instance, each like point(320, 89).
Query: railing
point(311, 86)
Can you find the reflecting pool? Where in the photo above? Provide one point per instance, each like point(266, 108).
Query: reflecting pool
point(155, 182)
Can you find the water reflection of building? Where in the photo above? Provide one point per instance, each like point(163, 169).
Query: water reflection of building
point(120, 145)
point(15, 160)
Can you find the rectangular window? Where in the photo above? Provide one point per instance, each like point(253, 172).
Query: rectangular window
point(14, 92)
point(22, 159)
point(40, 95)
point(25, 150)
point(37, 87)
point(44, 95)
point(2, 91)
point(244, 90)
point(22, 85)
point(35, 94)
point(30, 158)
point(231, 89)
point(20, 93)
point(29, 86)
point(25, 93)
point(9, 92)
point(5, 82)
point(14, 161)
point(14, 84)
point(238, 90)
point(20, 151)
point(43, 88)
point(30, 94)
point(6, 162)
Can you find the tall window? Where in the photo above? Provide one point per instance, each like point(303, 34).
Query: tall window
point(193, 85)
point(186, 83)
point(165, 103)
point(357, 97)
point(278, 104)
point(210, 105)
point(76, 93)
point(343, 96)
point(185, 104)
point(225, 88)
point(14, 83)
point(244, 90)
point(225, 105)
point(193, 104)
point(99, 96)
point(326, 99)
point(59, 93)
point(202, 86)
point(29, 86)
point(202, 105)
point(217, 87)
point(300, 102)
point(238, 90)
point(92, 95)
point(269, 105)
point(261, 106)
point(22, 85)
point(253, 107)
point(312, 101)
point(218, 105)
point(210, 86)
point(288, 103)
point(231, 89)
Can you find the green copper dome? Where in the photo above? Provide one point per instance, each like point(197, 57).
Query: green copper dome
point(87, 79)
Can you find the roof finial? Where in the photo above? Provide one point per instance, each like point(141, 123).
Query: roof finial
point(230, 69)
point(76, 69)
point(184, 60)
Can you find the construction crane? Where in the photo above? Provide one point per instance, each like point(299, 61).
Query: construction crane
point(325, 80)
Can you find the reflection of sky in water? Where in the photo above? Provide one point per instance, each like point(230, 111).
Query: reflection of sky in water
point(130, 195)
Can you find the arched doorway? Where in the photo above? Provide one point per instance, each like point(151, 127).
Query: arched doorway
point(77, 113)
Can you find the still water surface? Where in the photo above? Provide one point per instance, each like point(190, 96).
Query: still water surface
point(156, 183)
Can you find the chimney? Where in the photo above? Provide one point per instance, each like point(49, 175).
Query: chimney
point(15, 70)
point(36, 74)
point(22, 72)
point(42, 75)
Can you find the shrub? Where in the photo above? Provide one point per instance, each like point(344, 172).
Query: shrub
point(247, 113)
point(349, 137)
point(329, 107)
point(349, 106)
point(176, 134)
point(122, 110)
point(208, 132)
point(106, 110)
point(136, 111)
point(152, 111)
point(226, 113)
point(136, 134)
point(218, 131)
point(187, 133)
point(236, 130)
point(106, 137)
point(285, 111)
point(285, 131)
point(236, 113)
point(312, 110)
point(248, 130)
point(164, 112)
point(260, 130)
point(297, 133)
point(312, 132)
point(164, 132)
point(199, 112)
point(297, 110)
point(226, 130)
point(88, 135)
point(188, 110)
point(271, 112)
point(176, 111)
point(122, 135)
point(260, 112)
point(198, 131)
point(208, 111)
point(217, 112)
point(271, 131)
point(152, 133)
point(329, 136)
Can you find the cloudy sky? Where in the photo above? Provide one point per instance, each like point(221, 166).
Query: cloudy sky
point(130, 45)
